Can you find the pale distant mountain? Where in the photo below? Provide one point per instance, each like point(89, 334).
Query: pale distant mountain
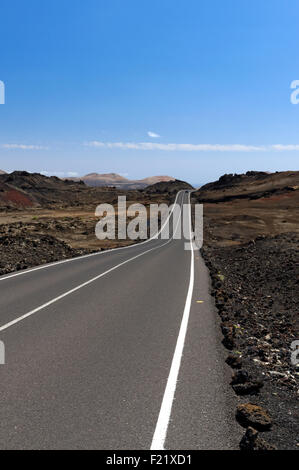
point(96, 179)
point(156, 179)
point(120, 182)
point(2, 172)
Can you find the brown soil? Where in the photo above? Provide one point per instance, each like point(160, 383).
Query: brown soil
point(243, 215)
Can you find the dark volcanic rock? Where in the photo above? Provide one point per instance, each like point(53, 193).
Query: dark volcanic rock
point(240, 377)
point(261, 319)
point(252, 415)
point(228, 332)
point(228, 341)
point(259, 286)
point(248, 388)
point(20, 252)
point(229, 180)
point(252, 441)
point(170, 187)
point(243, 384)
point(234, 361)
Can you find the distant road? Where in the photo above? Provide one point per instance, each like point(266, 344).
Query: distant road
point(118, 350)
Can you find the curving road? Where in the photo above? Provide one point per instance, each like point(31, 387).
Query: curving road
point(114, 351)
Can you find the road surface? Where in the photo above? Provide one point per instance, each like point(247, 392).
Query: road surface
point(119, 350)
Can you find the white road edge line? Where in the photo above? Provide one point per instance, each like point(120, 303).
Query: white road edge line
point(78, 258)
point(47, 304)
point(168, 398)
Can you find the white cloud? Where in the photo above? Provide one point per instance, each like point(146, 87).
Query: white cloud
point(177, 147)
point(23, 147)
point(285, 147)
point(153, 135)
point(192, 147)
point(60, 174)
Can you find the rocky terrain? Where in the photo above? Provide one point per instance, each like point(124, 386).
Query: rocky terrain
point(25, 250)
point(251, 185)
point(170, 187)
point(20, 190)
point(238, 208)
point(251, 248)
point(46, 219)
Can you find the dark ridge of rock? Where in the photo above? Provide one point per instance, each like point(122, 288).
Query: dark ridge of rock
point(20, 189)
point(233, 179)
point(255, 416)
point(168, 186)
point(251, 441)
point(251, 196)
point(253, 185)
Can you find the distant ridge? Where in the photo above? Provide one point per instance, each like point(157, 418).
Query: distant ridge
point(170, 187)
point(21, 189)
point(120, 182)
point(251, 185)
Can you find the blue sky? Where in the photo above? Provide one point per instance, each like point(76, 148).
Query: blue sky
point(86, 82)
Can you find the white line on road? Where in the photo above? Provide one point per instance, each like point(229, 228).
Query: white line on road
point(47, 304)
point(167, 402)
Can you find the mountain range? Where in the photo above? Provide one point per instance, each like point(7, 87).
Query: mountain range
point(120, 182)
point(22, 189)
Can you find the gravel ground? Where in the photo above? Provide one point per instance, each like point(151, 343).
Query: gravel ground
point(21, 252)
point(256, 292)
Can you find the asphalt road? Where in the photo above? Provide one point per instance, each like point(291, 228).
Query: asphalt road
point(114, 351)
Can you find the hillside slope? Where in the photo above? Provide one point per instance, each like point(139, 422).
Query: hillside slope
point(238, 208)
point(118, 181)
point(251, 185)
point(169, 187)
point(24, 190)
